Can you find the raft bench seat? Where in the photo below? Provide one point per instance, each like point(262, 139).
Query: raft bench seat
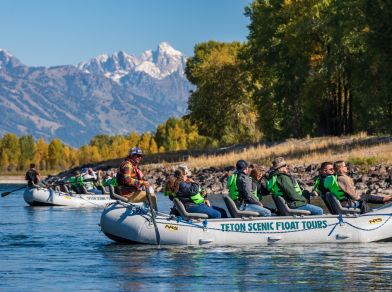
point(337, 207)
point(185, 214)
point(235, 212)
point(326, 203)
point(284, 210)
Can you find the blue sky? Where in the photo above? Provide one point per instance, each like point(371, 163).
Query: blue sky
point(58, 32)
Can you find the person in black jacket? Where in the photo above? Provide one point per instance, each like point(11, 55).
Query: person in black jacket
point(191, 195)
point(246, 199)
point(32, 176)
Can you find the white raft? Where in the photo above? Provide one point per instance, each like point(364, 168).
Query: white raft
point(47, 197)
point(128, 223)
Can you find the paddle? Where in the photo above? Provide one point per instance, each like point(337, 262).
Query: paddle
point(7, 193)
point(153, 216)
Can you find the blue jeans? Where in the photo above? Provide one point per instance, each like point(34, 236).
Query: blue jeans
point(95, 191)
point(212, 212)
point(314, 210)
point(256, 208)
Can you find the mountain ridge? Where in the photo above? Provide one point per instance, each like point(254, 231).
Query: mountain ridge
point(104, 95)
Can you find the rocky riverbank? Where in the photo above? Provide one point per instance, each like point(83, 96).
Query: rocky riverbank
point(376, 180)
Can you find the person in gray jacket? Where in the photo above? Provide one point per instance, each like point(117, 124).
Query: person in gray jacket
point(246, 200)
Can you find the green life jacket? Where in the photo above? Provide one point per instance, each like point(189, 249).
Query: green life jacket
point(198, 198)
point(331, 184)
point(114, 182)
point(110, 181)
point(316, 186)
point(80, 181)
point(76, 181)
point(274, 188)
point(231, 184)
point(72, 180)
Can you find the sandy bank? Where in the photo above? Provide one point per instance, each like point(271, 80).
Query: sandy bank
point(12, 179)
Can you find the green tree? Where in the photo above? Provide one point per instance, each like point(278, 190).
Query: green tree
point(27, 150)
point(144, 143)
point(56, 154)
point(306, 59)
point(11, 149)
point(41, 154)
point(120, 147)
point(4, 161)
point(89, 154)
point(133, 138)
point(153, 146)
point(221, 106)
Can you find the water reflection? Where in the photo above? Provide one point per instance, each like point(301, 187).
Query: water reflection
point(336, 267)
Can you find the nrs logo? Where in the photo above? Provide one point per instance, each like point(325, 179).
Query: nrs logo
point(171, 227)
point(375, 220)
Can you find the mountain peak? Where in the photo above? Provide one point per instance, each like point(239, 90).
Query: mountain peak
point(5, 54)
point(8, 60)
point(157, 64)
point(165, 47)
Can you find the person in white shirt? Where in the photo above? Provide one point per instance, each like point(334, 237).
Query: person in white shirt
point(90, 175)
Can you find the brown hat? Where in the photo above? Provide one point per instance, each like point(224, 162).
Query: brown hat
point(184, 170)
point(278, 162)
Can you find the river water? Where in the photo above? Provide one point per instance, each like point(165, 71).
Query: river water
point(63, 249)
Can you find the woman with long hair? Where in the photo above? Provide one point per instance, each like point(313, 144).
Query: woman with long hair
point(192, 196)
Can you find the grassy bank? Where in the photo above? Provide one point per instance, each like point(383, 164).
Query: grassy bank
point(361, 150)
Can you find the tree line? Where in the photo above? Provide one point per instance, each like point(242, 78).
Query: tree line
point(310, 67)
point(16, 153)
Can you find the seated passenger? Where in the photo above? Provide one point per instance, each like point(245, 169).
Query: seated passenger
point(109, 179)
point(281, 183)
point(326, 169)
point(169, 187)
point(191, 195)
point(259, 184)
point(89, 177)
point(242, 193)
point(169, 190)
point(342, 187)
point(76, 182)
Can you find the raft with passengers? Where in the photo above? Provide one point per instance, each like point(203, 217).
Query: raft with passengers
point(78, 191)
point(195, 222)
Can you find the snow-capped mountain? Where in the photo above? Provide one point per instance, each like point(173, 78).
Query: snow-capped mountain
point(7, 60)
point(113, 94)
point(157, 64)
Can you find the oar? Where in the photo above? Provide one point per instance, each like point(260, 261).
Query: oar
point(7, 193)
point(153, 216)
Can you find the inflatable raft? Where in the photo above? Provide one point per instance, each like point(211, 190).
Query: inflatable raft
point(47, 197)
point(134, 224)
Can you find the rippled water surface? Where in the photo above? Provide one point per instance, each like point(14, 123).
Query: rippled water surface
point(58, 248)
